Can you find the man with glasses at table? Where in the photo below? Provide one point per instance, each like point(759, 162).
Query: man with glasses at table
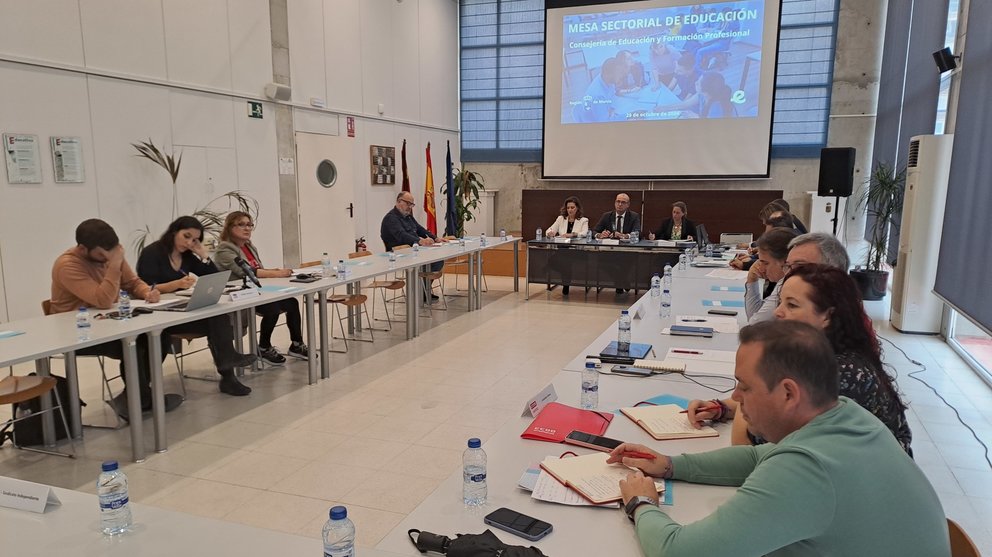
point(619, 223)
point(399, 228)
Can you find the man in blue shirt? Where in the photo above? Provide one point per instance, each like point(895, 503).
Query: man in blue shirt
point(399, 228)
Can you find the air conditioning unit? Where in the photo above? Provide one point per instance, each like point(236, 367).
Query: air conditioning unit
point(915, 308)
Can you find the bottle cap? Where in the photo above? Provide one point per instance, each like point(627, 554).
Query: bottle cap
point(109, 466)
point(338, 513)
point(474, 443)
point(590, 365)
point(624, 312)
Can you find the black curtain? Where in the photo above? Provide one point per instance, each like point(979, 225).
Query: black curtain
point(965, 247)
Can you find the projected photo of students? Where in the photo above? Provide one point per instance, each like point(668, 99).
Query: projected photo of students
point(683, 62)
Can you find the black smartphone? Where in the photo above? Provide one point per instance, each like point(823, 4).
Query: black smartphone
point(591, 441)
point(516, 523)
point(304, 278)
point(631, 370)
point(722, 312)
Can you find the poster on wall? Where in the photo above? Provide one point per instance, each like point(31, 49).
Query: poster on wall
point(67, 156)
point(383, 161)
point(23, 158)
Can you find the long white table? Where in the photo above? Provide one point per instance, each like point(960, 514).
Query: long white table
point(51, 335)
point(577, 530)
point(73, 528)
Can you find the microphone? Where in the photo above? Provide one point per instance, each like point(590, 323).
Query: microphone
point(248, 271)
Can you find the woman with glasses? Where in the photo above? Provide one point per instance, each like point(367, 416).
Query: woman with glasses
point(828, 299)
point(773, 250)
point(235, 241)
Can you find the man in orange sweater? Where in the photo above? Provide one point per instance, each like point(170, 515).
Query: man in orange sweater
point(91, 275)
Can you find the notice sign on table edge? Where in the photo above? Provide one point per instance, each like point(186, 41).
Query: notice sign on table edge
point(26, 496)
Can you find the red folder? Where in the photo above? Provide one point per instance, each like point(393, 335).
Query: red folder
point(557, 420)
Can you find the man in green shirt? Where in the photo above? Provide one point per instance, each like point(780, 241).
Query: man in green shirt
point(832, 481)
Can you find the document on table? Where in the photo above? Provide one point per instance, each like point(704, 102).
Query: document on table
point(719, 362)
point(727, 274)
point(726, 325)
point(591, 476)
point(666, 422)
point(547, 488)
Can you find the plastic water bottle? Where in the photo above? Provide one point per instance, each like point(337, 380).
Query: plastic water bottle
point(124, 305)
point(342, 270)
point(339, 534)
point(623, 331)
point(666, 303)
point(539, 235)
point(392, 259)
point(709, 251)
point(111, 488)
point(590, 386)
point(461, 242)
point(655, 286)
point(635, 236)
point(682, 261)
point(474, 490)
point(482, 239)
point(416, 249)
point(502, 234)
point(83, 324)
point(668, 276)
point(325, 265)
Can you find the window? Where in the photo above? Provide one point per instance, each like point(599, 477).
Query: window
point(502, 78)
point(945, 80)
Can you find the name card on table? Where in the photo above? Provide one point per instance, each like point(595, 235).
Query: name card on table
point(560, 240)
point(543, 398)
point(238, 295)
point(26, 496)
point(610, 242)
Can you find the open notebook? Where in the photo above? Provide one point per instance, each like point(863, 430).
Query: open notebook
point(591, 476)
point(666, 422)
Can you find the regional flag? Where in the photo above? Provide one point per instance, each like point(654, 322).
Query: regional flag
point(406, 177)
point(429, 196)
point(450, 213)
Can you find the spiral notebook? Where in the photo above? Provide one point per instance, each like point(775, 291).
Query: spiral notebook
point(591, 476)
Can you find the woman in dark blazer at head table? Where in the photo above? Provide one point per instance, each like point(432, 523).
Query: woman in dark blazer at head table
point(676, 228)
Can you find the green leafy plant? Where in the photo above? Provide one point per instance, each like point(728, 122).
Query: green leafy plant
point(882, 199)
point(467, 187)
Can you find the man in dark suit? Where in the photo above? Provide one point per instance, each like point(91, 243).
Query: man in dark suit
point(620, 222)
point(399, 228)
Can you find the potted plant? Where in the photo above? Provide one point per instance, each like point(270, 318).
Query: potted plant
point(467, 185)
point(882, 200)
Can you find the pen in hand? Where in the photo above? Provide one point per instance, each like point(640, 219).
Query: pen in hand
point(635, 454)
point(710, 408)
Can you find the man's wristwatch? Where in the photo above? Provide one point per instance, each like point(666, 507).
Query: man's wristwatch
point(635, 502)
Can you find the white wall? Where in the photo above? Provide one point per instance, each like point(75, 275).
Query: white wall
point(176, 71)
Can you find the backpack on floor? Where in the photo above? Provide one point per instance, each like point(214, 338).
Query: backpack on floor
point(28, 432)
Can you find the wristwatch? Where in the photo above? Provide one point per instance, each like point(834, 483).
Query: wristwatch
point(635, 502)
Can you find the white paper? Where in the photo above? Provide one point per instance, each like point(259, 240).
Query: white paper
point(551, 490)
point(727, 274)
point(610, 242)
point(26, 496)
point(719, 362)
point(665, 243)
point(287, 166)
point(728, 325)
point(560, 240)
point(23, 158)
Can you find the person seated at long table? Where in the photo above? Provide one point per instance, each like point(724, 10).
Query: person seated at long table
point(679, 227)
point(831, 481)
point(773, 250)
point(170, 262)
point(827, 298)
point(235, 242)
point(569, 224)
point(92, 274)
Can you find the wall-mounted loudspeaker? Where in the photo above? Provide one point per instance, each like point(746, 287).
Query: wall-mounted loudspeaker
point(278, 92)
point(945, 59)
point(836, 172)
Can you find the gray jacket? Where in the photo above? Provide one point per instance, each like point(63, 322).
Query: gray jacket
point(227, 252)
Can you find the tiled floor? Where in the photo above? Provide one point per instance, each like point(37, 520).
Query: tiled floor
point(391, 423)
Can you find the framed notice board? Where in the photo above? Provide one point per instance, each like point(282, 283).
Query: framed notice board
point(383, 163)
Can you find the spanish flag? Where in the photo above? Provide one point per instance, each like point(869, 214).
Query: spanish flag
point(429, 196)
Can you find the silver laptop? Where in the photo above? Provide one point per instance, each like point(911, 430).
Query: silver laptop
point(206, 292)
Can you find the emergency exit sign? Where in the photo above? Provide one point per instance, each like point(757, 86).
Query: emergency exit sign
point(255, 109)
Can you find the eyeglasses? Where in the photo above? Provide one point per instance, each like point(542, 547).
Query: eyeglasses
point(622, 202)
point(410, 203)
point(248, 225)
point(786, 267)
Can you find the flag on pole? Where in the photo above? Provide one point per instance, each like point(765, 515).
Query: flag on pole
point(406, 177)
point(450, 213)
point(429, 196)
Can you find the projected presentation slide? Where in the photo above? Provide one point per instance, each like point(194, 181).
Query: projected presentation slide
point(667, 63)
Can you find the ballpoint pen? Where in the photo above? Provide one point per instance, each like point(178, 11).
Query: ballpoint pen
point(635, 454)
point(693, 320)
point(710, 408)
point(696, 352)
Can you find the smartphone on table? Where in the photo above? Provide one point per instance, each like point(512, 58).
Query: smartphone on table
point(518, 523)
point(591, 441)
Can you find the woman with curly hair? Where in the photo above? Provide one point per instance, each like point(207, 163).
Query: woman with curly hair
point(828, 299)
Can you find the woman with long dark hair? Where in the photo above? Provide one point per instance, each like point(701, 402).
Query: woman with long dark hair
point(828, 299)
point(170, 263)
